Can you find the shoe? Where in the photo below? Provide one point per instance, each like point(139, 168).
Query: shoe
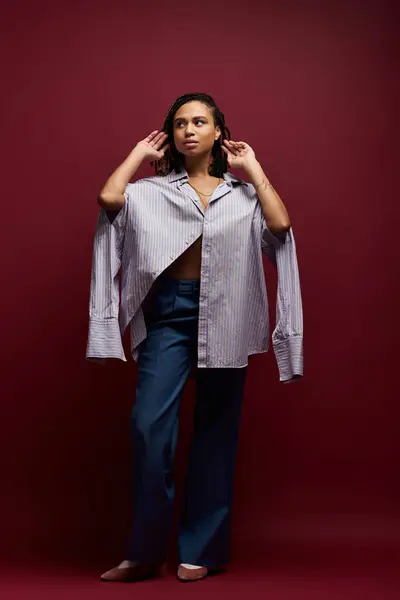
point(185, 575)
point(137, 572)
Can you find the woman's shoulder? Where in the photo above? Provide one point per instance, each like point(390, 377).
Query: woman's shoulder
point(147, 182)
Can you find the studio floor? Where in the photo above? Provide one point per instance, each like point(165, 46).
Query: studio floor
point(274, 582)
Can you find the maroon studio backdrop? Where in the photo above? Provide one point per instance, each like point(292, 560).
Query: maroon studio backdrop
point(309, 85)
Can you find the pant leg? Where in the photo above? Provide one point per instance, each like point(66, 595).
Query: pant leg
point(204, 530)
point(163, 368)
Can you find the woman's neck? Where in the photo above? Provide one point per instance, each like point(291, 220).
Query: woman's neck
point(197, 168)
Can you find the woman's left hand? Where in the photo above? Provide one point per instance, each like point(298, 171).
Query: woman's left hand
point(239, 154)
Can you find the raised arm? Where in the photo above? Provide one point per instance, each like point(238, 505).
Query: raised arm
point(111, 196)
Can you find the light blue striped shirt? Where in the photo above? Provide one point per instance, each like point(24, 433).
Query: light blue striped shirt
point(161, 217)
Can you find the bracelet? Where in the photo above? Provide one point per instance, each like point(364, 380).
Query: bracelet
point(268, 183)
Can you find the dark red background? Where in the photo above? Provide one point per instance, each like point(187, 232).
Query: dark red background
point(310, 86)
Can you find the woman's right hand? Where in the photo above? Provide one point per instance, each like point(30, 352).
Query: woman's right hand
point(112, 196)
point(150, 148)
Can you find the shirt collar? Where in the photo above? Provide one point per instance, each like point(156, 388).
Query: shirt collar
point(184, 177)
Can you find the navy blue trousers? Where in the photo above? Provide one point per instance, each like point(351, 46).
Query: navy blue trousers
point(165, 361)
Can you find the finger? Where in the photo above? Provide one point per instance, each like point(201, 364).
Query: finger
point(156, 144)
point(241, 148)
point(151, 136)
point(232, 148)
point(157, 138)
point(159, 141)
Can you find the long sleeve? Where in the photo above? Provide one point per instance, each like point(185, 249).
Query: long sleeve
point(287, 337)
point(104, 337)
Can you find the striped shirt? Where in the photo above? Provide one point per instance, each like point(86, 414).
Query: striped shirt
point(161, 217)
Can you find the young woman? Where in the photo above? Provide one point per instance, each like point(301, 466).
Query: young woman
point(190, 242)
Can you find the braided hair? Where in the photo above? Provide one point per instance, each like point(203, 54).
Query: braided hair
point(173, 159)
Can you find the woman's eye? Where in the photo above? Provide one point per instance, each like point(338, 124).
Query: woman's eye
point(197, 121)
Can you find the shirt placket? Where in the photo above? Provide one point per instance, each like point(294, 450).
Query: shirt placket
point(203, 354)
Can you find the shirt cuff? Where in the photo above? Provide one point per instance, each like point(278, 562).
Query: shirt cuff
point(289, 356)
point(104, 340)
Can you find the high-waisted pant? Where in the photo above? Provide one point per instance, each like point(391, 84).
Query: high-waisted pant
point(165, 360)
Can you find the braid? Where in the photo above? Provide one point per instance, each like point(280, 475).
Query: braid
point(173, 159)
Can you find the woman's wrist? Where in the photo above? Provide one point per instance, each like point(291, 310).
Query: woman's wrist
point(266, 182)
point(256, 174)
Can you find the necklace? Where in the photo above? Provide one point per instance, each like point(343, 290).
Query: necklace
point(202, 193)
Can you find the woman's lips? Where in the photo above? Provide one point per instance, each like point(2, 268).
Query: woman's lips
point(190, 143)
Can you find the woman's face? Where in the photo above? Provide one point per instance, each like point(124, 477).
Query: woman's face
point(193, 122)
